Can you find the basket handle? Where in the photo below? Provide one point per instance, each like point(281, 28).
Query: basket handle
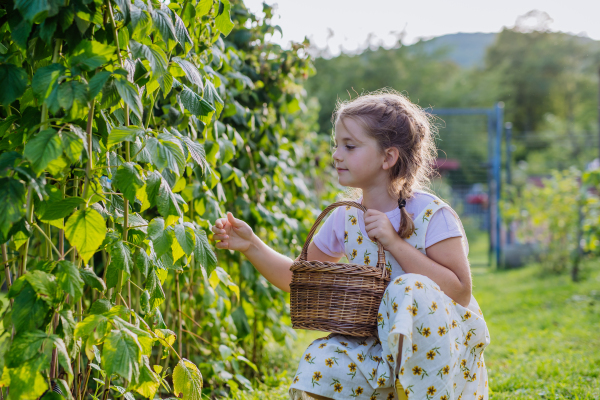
point(380, 251)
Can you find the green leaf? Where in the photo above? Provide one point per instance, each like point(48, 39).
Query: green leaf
point(203, 7)
point(97, 82)
point(143, 262)
point(29, 311)
point(185, 236)
point(86, 230)
point(122, 354)
point(70, 92)
point(194, 103)
point(12, 204)
point(100, 306)
point(191, 72)
point(203, 251)
point(167, 153)
point(43, 148)
point(35, 11)
point(69, 278)
point(6, 124)
point(123, 134)
point(130, 96)
point(148, 382)
point(182, 34)
point(91, 279)
point(63, 356)
point(161, 238)
point(72, 143)
point(241, 322)
point(14, 81)
point(61, 208)
point(121, 256)
point(128, 180)
point(141, 21)
point(212, 96)
point(45, 286)
point(166, 83)
point(223, 20)
point(187, 380)
point(26, 380)
point(153, 286)
point(161, 19)
point(24, 347)
point(124, 7)
point(196, 151)
point(20, 33)
point(89, 55)
point(68, 325)
point(110, 94)
point(227, 150)
point(154, 54)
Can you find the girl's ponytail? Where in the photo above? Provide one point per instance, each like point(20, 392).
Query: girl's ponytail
point(407, 225)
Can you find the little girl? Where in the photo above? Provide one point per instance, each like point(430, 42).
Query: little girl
point(431, 332)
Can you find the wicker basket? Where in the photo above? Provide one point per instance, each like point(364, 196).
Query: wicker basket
point(337, 297)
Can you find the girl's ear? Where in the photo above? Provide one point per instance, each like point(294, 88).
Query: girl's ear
point(390, 157)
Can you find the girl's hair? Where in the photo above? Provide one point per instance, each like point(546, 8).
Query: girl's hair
point(394, 121)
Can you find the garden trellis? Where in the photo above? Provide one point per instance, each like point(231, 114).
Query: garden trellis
point(478, 156)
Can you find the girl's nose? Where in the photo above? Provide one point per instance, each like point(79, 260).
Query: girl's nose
point(336, 156)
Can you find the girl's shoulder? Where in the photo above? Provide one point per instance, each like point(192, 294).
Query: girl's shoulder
point(420, 200)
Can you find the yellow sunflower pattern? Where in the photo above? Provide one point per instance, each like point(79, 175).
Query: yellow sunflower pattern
point(443, 346)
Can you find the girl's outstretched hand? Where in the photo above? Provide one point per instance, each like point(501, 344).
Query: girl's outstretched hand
point(379, 227)
point(232, 233)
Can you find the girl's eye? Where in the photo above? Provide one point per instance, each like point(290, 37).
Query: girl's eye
point(335, 146)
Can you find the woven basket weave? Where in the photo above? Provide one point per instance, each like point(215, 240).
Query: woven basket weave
point(337, 297)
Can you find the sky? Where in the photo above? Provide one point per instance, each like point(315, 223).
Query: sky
point(349, 25)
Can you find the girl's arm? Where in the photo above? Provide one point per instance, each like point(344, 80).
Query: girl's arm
point(234, 234)
point(445, 263)
point(275, 267)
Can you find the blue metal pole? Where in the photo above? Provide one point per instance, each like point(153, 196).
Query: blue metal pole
point(508, 130)
point(490, 178)
point(497, 172)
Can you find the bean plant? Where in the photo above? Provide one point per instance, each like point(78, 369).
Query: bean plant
point(127, 127)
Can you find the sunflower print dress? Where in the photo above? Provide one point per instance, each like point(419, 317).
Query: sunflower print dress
point(442, 350)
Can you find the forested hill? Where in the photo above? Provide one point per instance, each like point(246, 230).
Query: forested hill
point(465, 49)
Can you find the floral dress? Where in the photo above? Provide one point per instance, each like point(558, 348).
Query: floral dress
point(442, 350)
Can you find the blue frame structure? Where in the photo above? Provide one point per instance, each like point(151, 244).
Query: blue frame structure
point(495, 125)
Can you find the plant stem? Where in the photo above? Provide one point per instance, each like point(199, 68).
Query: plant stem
point(75, 193)
point(114, 29)
point(179, 321)
point(29, 220)
point(6, 268)
point(89, 166)
point(44, 119)
point(48, 240)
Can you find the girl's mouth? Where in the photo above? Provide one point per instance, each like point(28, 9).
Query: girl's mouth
point(341, 169)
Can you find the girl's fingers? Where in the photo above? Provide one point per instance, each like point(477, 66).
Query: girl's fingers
point(220, 237)
point(222, 245)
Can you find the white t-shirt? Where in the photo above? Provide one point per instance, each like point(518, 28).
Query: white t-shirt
point(443, 225)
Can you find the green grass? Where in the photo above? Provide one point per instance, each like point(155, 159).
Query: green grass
point(544, 329)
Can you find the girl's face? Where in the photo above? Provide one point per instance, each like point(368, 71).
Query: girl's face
point(357, 157)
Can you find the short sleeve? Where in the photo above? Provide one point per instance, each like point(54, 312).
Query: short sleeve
point(330, 238)
point(443, 225)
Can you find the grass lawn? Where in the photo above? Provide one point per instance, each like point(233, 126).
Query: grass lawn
point(545, 336)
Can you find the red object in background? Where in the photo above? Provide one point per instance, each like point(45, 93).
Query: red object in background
point(446, 164)
point(477, 198)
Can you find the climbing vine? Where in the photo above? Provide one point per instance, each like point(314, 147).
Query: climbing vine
point(127, 128)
